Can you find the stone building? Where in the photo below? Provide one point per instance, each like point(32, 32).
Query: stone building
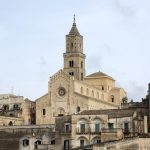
point(98, 126)
point(135, 143)
point(143, 106)
point(27, 137)
point(15, 110)
point(71, 91)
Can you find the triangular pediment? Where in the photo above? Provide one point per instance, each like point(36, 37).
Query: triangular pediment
point(60, 74)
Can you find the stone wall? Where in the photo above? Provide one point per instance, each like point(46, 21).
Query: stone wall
point(125, 144)
point(10, 136)
point(5, 120)
point(111, 134)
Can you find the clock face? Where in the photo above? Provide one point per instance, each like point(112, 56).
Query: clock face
point(61, 91)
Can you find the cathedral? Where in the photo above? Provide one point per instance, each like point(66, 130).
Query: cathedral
point(70, 90)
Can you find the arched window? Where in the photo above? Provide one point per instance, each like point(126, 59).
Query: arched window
point(92, 93)
point(11, 114)
point(82, 126)
point(16, 106)
point(71, 45)
point(96, 126)
point(112, 98)
point(71, 63)
point(78, 109)
point(25, 142)
point(81, 76)
point(5, 107)
point(66, 145)
point(103, 88)
point(83, 141)
point(96, 140)
point(97, 95)
point(87, 92)
point(44, 112)
point(61, 112)
point(81, 90)
point(37, 143)
point(10, 123)
point(53, 142)
point(81, 64)
point(71, 73)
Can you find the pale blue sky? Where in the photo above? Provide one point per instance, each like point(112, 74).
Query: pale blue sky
point(32, 41)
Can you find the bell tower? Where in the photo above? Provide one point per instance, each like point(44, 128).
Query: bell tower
point(74, 59)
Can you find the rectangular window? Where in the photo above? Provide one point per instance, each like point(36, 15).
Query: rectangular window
point(71, 45)
point(81, 64)
point(102, 87)
point(44, 112)
point(71, 73)
point(81, 76)
point(82, 127)
point(67, 127)
point(110, 125)
point(66, 145)
point(97, 129)
point(126, 127)
point(81, 142)
point(98, 141)
point(112, 99)
point(71, 63)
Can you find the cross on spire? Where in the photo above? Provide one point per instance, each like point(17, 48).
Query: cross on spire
point(74, 18)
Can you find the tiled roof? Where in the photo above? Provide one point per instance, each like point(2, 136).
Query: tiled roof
point(112, 113)
point(74, 30)
point(99, 74)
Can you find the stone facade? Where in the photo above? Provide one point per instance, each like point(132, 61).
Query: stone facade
point(15, 110)
point(126, 144)
point(71, 91)
point(26, 137)
point(77, 112)
point(98, 126)
point(142, 106)
point(6, 120)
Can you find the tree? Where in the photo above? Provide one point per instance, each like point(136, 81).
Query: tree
point(124, 100)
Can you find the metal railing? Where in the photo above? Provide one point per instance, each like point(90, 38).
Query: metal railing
point(87, 131)
point(111, 130)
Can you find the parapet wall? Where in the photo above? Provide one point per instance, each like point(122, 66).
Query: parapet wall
point(125, 144)
point(10, 135)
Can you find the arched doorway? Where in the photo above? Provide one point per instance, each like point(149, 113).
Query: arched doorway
point(37, 143)
point(10, 123)
point(61, 111)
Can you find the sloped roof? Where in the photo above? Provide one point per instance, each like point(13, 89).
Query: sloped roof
point(112, 113)
point(74, 31)
point(98, 74)
point(45, 95)
point(115, 89)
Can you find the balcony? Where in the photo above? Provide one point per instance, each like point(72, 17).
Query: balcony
point(95, 132)
point(82, 131)
point(113, 130)
point(87, 131)
point(66, 132)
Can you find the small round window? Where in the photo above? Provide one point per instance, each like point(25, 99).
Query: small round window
point(61, 91)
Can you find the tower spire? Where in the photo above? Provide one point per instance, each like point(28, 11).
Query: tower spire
point(74, 18)
point(74, 58)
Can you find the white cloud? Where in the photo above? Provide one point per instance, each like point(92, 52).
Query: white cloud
point(116, 41)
